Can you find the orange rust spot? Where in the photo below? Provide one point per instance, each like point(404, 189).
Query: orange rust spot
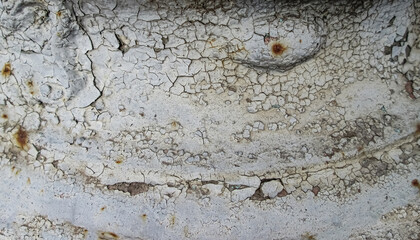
point(58, 14)
point(21, 137)
point(103, 208)
point(144, 217)
point(278, 49)
point(7, 70)
point(108, 235)
point(119, 160)
point(4, 115)
point(300, 40)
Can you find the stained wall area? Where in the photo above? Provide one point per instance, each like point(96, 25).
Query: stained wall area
point(209, 119)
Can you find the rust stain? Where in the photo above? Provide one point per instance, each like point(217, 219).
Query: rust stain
point(103, 208)
point(7, 70)
point(144, 217)
point(415, 183)
point(28, 181)
point(417, 129)
point(21, 137)
point(283, 193)
point(277, 49)
point(409, 89)
point(30, 85)
point(119, 160)
point(316, 190)
point(4, 115)
point(107, 236)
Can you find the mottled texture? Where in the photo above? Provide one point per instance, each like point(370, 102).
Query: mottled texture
point(209, 119)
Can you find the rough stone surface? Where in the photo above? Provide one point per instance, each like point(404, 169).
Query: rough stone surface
point(185, 119)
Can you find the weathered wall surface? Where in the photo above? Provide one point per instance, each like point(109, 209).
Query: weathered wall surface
point(209, 120)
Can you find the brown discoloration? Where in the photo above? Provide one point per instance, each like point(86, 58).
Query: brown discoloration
point(133, 188)
point(232, 88)
point(7, 70)
point(4, 115)
point(17, 172)
point(58, 14)
point(28, 181)
point(308, 236)
point(409, 89)
point(103, 208)
point(277, 49)
point(417, 129)
point(21, 137)
point(119, 160)
point(107, 236)
point(144, 217)
point(283, 193)
point(30, 85)
point(415, 183)
point(172, 220)
point(316, 190)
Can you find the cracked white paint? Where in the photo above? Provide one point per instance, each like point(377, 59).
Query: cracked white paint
point(209, 119)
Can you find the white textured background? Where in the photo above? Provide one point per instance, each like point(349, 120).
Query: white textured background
point(175, 120)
